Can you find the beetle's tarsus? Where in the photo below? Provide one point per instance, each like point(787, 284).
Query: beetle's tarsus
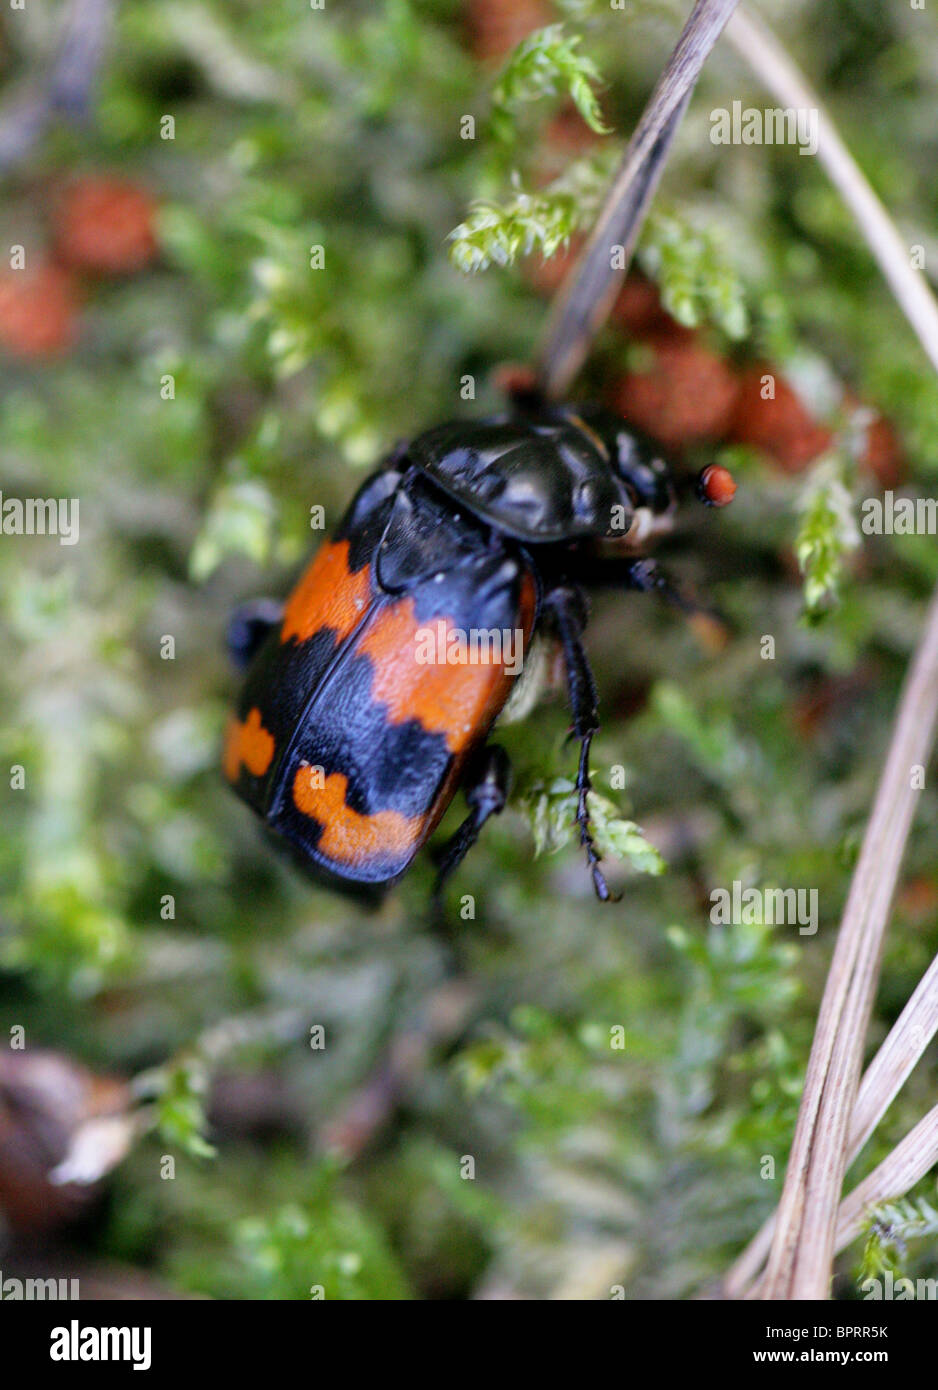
point(593, 858)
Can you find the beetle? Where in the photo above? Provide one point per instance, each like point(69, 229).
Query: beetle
point(353, 732)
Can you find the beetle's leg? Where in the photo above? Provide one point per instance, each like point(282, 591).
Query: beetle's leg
point(249, 625)
point(647, 577)
point(567, 606)
point(487, 788)
point(644, 575)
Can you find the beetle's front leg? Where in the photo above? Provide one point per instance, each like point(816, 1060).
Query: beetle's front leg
point(647, 576)
point(486, 789)
point(248, 625)
point(566, 605)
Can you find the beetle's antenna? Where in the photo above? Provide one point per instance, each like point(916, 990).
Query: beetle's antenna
point(591, 288)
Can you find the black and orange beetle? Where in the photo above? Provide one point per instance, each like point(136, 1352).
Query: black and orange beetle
point(353, 731)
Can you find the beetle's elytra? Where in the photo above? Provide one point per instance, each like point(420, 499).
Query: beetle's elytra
point(347, 740)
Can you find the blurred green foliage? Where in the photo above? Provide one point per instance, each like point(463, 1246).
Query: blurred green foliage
point(622, 1073)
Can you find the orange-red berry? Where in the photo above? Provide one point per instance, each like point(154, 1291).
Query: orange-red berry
point(771, 416)
point(105, 226)
point(496, 26)
point(37, 312)
point(686, 395)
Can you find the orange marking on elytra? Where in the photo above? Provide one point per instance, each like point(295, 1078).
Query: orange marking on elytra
point(458, 701)
point(249, 744)
point(527, 604)
point(348, 837)
point(328, 595)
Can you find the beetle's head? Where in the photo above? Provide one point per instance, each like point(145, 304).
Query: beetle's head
point(634, 457)
point(648, 475)
point(642, 468)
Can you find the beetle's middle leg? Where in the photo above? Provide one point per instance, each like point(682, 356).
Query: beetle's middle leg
point(567, 606)
point(486, 791)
